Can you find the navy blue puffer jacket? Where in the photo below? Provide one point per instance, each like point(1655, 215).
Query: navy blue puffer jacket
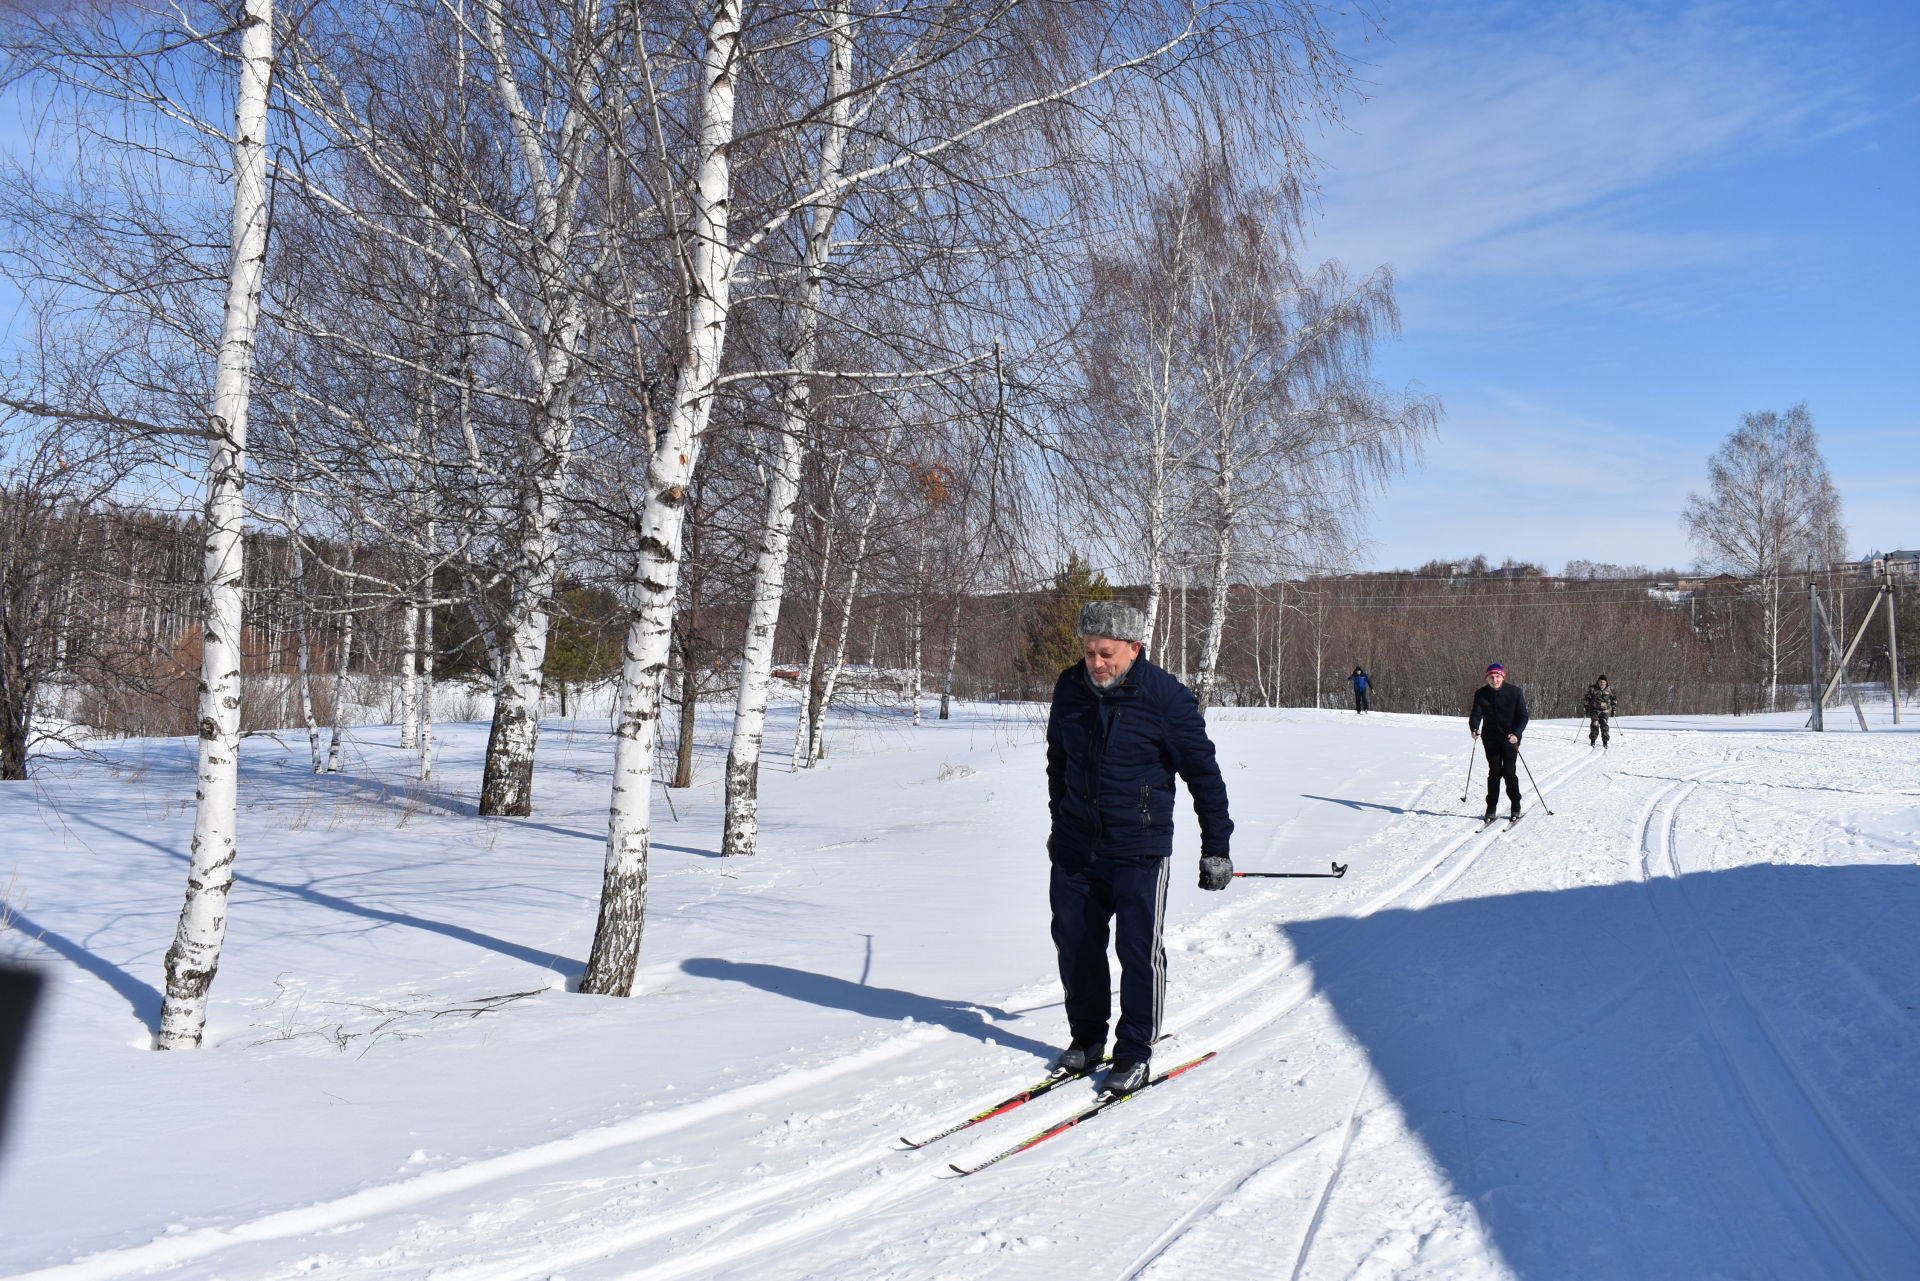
point(1110, 769)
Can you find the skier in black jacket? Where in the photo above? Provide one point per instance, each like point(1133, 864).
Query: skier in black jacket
point(1501, 710)
point(1119, 731)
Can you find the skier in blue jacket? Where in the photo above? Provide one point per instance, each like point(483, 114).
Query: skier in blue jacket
point(1360, 685)
point(1119, 732)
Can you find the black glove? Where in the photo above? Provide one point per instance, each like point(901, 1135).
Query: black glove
point(1216, 871)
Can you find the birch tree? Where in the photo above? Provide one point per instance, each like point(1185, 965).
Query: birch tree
point(791, 434)
point(194, 958)
point(519, 86)
point(1013, 66)
point(1770, 509)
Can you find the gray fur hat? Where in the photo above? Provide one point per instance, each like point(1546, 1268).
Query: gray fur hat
point(1111, 618)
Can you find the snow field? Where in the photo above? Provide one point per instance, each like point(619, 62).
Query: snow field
point(1666, 1032)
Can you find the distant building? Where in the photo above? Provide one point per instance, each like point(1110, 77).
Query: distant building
point(1719, 583)
point(1900, 566)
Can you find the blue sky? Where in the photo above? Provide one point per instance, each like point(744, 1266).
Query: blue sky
point(1619, 226)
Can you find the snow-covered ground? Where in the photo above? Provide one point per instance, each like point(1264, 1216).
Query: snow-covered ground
point(1667, 1032)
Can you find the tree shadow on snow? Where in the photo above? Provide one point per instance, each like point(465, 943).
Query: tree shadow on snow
point(1375, 805)
point(564, 965)
point(599, 836)
point(885, 1003)
point(1715, 1075)
point(143, 997)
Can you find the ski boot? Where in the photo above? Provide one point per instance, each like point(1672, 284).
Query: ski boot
point(1127, 1076)
point(1081, 1057)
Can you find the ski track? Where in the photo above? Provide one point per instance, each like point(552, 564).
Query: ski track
point(886, 1183)
point(1819, 1173)
point(811, 1219)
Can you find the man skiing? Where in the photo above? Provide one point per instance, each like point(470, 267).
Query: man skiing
point(1600, 705)
point(1501, 710)
point(1119, 730)
point(1361, 684)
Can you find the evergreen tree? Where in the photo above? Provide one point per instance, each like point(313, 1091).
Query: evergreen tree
point(1051, 642)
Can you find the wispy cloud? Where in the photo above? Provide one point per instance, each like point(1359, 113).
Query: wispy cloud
point(1520, 141)
point(1517, 476)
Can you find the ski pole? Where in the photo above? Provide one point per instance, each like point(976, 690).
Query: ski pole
point(1530, 783)
point(1339, 869)
point(1468, 785)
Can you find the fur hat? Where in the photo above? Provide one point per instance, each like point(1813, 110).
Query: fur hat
point(1112, 619)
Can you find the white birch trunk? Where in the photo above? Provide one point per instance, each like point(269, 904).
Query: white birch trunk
point(1182, 628)
point(806, 726)
point(614, 961)
point(816, 743)
point(953, 659)
point(506, 786)
point(303, 640)
point(340, 671)
point(742, 832)
point(1279, 643)
point(919, 624)
point(426, 691)
point(1207, 683)
point(1772, 623)
point(1156, 565)
point(1207, 680)
point(409, 664)
point(194, 958)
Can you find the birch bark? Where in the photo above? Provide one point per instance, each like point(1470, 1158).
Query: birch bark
point(953, 657)
point(194, 958)
point(409, 664)
point(506, 786)
point(817, 730)
point(806, 729)
point(426, 692)
point(303, 640)
point(742, 832)
point(340, 670)
point(1206, 684)
point(918, 681)
point(615, 957)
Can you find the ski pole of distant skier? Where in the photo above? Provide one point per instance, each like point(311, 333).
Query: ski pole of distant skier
point(1530, 783)
point(1468, 785)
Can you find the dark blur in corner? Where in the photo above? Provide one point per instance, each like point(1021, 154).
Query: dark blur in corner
point(18, 990)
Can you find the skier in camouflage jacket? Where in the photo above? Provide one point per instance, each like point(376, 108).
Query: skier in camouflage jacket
point(1599, 706)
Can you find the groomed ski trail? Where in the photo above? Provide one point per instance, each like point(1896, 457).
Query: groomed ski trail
point(894, 1189)
point(1817, 1170)
point(883, 1180)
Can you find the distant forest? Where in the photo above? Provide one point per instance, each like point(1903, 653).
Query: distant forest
point(117, 593)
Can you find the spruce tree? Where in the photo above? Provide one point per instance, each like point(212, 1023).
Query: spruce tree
point(1051, 642)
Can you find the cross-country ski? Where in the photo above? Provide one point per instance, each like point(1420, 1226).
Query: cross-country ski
point(1107, 1100)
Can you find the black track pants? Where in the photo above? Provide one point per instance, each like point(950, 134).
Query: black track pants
point(1502, 764)
point(1130, 892)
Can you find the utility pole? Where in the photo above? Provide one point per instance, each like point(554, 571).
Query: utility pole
point(1818, 722)
point(1893, 644)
